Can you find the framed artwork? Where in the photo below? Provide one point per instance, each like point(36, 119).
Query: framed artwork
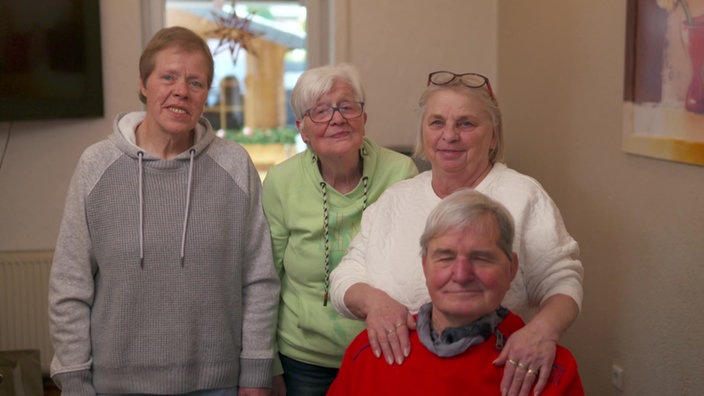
point(663, 104)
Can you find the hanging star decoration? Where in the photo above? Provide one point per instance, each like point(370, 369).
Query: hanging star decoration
point(235, 33)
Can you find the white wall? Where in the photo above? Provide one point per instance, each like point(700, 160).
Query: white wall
point(41, 156)
point(639, 221)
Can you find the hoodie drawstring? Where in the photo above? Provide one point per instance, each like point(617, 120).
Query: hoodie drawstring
point(188, 207)
point(140, 156)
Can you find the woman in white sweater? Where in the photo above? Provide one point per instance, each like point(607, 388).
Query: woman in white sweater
point(381, 279)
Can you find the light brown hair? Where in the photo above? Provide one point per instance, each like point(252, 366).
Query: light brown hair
point(174, 36)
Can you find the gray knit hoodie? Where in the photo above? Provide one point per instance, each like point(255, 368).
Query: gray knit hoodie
point(162, 280)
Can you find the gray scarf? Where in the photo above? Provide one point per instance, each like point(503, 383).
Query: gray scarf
point(455, 340)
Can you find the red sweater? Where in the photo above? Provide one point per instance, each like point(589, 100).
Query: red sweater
point(424, 373)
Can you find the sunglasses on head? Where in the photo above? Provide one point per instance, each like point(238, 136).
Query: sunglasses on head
point(470, 80)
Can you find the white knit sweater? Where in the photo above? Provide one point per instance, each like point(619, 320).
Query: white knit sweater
point(386, 252)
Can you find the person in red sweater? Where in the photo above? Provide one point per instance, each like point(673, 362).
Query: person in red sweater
point(468, 263)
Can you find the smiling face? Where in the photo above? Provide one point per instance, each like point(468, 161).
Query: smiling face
point(339, 136)
point(175, 91)
point(467, 273)
point(457, 133)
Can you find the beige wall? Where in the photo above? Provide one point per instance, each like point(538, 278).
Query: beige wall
point(639, 221)
point(558, 68)
point(395, 45)
point(41, 155)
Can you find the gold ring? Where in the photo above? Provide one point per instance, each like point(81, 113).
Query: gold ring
point(399, 324)
point(513, 362)
point(521, 365)
point(531, 372)
point(389, 331)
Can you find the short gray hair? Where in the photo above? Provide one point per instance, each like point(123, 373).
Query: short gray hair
point(316, 82)
point(460, 210)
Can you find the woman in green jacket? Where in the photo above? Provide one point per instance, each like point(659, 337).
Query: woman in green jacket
point(314, 203)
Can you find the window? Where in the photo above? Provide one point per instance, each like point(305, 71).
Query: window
point(249, 99)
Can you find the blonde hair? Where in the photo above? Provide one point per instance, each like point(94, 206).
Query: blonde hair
point(491, 106)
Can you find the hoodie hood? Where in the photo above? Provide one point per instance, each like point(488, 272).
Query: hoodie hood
point(124, 138)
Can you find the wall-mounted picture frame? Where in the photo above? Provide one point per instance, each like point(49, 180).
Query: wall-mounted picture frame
point(663, 103)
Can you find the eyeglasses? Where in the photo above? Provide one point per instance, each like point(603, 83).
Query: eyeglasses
point(471, 80)
point(323, 113)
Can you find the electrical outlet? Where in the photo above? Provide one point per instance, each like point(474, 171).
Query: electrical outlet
point(617, 377)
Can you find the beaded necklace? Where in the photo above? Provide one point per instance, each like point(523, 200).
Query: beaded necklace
point(326, 233)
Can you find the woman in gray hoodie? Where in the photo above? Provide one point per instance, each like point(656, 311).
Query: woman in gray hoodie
point(162, 280)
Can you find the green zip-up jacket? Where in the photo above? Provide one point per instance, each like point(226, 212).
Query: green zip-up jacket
point(293, 200)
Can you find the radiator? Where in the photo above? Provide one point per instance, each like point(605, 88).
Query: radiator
point(24, 285)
